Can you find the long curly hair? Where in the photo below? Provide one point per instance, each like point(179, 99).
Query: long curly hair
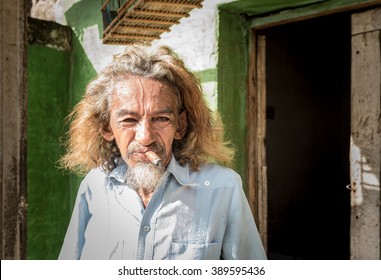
point(203, 141)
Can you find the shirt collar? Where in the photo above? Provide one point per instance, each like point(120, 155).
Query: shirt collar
point(119, 172)
point(181, 173)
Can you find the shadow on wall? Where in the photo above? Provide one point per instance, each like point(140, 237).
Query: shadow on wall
point(84, 14)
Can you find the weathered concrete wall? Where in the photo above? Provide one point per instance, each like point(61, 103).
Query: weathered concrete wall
point(13, 123)
point(44, 9)
point(49, 34)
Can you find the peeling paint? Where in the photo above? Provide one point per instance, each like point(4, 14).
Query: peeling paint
point(355, 174)
point(47, 33)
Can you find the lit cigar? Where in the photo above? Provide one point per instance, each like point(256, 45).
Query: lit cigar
point(153, 158)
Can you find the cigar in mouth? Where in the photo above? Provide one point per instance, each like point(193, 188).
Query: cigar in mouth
point(153, 158)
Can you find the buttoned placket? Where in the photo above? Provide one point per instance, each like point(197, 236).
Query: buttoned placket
point(201, 218)
point(145, 249)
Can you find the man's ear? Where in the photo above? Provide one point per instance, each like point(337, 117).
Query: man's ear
point(183, 125)
point(108, 135)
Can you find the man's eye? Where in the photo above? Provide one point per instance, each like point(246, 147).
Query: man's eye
point(161, 119)
point(127, 121)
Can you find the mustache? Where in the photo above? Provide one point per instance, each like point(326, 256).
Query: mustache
point(137, 148)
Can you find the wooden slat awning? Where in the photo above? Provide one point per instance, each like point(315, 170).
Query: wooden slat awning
point(142, 21)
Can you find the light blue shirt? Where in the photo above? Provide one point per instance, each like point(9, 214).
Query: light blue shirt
point(199, 215)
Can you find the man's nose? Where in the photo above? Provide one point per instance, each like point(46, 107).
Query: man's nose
point(145, 134)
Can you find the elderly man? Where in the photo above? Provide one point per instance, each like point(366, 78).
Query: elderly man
point(154, 154)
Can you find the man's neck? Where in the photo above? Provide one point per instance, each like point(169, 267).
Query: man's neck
point(145, 196)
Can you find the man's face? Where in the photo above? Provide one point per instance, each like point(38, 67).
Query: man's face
point(143, 116)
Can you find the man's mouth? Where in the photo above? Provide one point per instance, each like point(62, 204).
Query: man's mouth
point(147, 156)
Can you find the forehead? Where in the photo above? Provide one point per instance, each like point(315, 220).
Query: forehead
point(139, 91)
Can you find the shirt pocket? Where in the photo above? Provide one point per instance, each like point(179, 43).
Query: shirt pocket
point(189, 251)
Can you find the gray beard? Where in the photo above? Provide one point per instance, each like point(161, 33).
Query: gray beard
point(144, 176)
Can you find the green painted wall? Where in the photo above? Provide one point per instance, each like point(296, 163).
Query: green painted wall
point(305, 11)
point(288, 8)
point(258, 7)
point(48, 198)
point(208, 75)
point(232, 76)
point(57, 80)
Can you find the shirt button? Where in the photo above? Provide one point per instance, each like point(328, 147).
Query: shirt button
point(146, 228)
point(207, 183)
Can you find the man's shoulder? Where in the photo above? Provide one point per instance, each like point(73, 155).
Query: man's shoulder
point(216, 175)
point(96, 173)
point(94, 177)
point(216, 168)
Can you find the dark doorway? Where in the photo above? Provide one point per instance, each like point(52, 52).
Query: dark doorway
point(307, 138)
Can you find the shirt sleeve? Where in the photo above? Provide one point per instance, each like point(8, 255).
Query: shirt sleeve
point(241, 240)
point(75, 234)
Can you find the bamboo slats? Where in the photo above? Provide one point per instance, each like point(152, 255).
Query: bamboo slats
point(142, 21)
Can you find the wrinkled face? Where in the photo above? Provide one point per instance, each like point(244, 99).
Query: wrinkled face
point(143, 117)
